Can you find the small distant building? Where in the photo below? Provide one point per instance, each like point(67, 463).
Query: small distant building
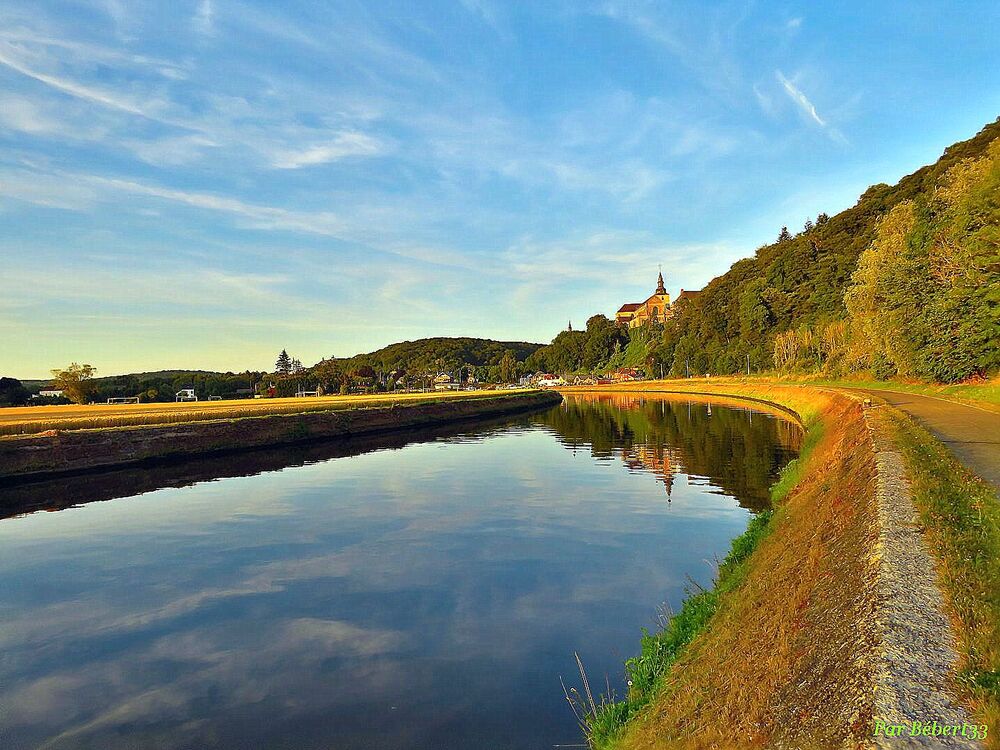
point(445, 382)
point(686, 295)
point(548, 380)
point(185, 394)
point(51, 393)
point(623, 374)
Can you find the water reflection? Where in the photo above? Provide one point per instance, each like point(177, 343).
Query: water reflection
point(25, 495)
point(669, 436)
point(420, 594)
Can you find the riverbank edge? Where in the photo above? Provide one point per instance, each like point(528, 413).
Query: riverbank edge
point(779, 717)
point(63, 452)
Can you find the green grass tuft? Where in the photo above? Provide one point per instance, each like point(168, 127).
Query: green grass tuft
point(661, 649)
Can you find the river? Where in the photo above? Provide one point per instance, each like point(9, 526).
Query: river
point(424, 591)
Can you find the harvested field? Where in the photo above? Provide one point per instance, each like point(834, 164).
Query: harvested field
point(29, 420)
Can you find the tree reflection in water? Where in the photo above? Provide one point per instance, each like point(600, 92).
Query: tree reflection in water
point(737, 450)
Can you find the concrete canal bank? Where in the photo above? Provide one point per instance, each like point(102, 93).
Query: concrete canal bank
point(63, 451)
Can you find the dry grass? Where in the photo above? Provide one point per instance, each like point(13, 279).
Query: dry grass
point(35, 419)
point(788, 654)
point(982, 393)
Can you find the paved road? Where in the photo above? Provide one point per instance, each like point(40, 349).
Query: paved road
point(972, 434)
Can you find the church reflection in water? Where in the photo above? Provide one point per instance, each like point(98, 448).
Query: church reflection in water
point(737, 450)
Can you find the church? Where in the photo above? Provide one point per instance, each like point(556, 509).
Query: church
point(655, 309)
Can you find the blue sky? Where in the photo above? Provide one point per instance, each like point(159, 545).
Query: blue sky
point(200, 184)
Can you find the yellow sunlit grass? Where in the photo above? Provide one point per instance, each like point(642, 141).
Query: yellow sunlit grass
point(806, 604)
point(746, 681)
point(31, 420)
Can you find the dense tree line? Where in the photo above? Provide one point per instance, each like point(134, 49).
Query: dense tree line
point(416, 363)
point(581, 351)
point(905, 282)
point(163, 386)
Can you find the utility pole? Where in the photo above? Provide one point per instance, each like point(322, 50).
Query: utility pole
point(687, 368)
point(748, 365)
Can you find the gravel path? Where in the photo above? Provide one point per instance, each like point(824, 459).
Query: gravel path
point(919, 657)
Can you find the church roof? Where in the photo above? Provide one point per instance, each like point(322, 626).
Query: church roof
point(630, 307)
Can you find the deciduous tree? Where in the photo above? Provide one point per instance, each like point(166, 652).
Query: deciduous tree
point(76, 381)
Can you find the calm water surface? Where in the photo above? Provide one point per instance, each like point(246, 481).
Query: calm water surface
point(426, 592)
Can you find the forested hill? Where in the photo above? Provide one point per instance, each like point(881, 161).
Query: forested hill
point(945, 253)
point(440, 354)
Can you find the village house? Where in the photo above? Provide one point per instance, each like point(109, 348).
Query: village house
point(686, 295)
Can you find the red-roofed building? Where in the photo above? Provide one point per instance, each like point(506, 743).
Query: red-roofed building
point(686, 295)
point(626, 312)
point(655, 309)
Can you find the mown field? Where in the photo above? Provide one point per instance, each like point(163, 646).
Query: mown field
point(30, 420)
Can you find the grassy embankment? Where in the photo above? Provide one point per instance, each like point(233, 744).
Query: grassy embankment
point(739, 665)
point(750, 661)
point(961, 516)
point(35, 419)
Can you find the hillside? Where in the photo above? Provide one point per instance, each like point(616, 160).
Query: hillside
point(800, 281)
point(439, 353)
point(905, 282)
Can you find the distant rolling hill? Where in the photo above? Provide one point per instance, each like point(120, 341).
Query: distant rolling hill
point(443, 352)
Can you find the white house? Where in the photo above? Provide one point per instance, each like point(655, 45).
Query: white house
point(551, 382)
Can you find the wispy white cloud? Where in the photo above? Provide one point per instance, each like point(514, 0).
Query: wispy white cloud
point(89, 52)
point(628, 181)
point(24, 115)
point(800, 99)
point(808, 109)
point(323, 223)
point(221, 123)
point(113, 100)
point(172, 150)
point(340, 146)
point(482, 8)
point(763, 99)
point(204, 16)
point(47, 189)
point(701, 42)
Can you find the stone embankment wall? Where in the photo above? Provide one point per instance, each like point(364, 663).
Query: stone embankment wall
point(79, 450)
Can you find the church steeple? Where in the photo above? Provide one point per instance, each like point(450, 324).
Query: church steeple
point(660, 289)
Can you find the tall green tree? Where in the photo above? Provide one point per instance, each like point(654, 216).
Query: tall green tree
point(508, 367)
point(283, 365)
point(76, 381)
